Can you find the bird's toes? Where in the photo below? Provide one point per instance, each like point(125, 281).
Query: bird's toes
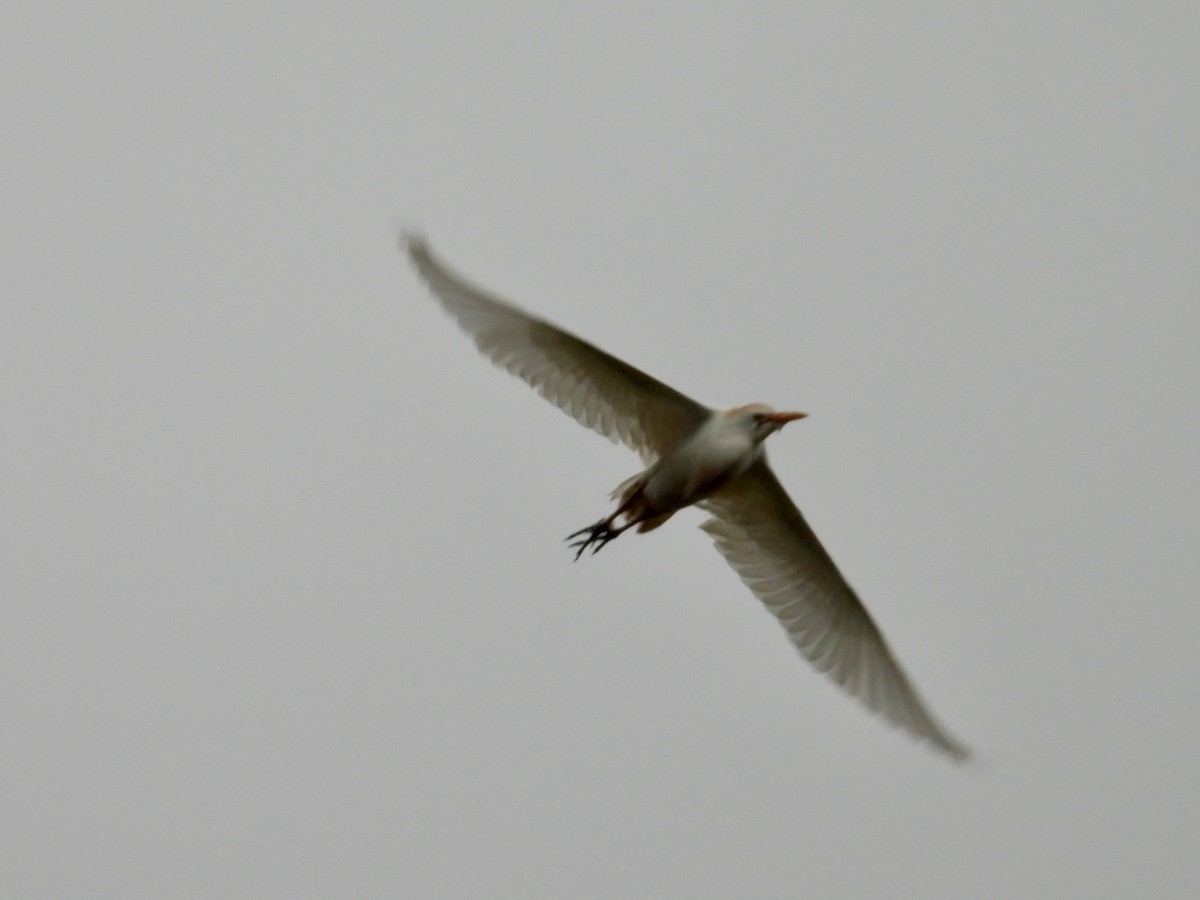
point(594, 536)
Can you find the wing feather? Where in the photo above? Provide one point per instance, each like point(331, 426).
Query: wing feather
point(763, 536)
point(595, 388)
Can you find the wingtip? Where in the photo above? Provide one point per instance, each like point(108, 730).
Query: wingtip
point(421, 257)
point(937, 738)
point(959, 754)
point(413, 242)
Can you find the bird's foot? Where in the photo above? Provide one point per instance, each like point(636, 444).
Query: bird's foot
point(596, 536)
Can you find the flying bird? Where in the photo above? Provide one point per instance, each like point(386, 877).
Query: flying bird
point(696, 456)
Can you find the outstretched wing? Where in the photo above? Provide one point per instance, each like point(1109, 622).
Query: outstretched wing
point(595, 388)
point(763, 536)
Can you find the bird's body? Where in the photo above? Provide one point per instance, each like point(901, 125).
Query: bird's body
point(692, 468)
point(696, 456)
point(720, 449)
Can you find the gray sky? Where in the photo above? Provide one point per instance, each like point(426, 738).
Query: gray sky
point(286, 607)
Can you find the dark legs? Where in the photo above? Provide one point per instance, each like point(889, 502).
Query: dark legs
point(596, 536)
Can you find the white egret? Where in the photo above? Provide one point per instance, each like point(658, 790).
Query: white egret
point(713, 459)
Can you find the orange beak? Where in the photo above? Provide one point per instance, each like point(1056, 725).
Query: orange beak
point(782, 418)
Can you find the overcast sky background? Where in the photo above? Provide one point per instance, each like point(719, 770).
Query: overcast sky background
point(286, 608)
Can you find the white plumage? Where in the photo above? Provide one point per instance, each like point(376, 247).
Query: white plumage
point(711, 459)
